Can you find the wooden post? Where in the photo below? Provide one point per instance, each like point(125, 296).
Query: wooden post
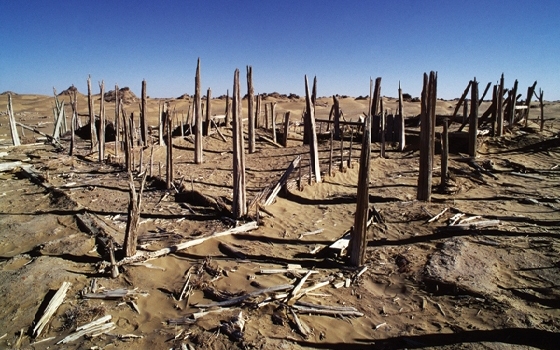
point(336, 116)
point(239, 206)
point(427, 122)
point(383, 119)
point(358, 240)
point(91, 116)
point(465, 111)
point(500, 108)
point(74, 104)
point(198, 117)
point(169, 167)
point(258, 121)
point(227, 112)
point(313, 146)
point(512, 103)
point(117, 124)
point(349, 162)
point(144, 116)
point(273, 117)
point(341, 168)
point(331, 153)
point(484, 93)
point(530, 93)
point(400, 121)
point(444, 153)
point(12, 120)
point(473, 120)
point(541, 105)
point(127, 140)
point(374, 108)
point(495, 109)
point(266, 116)
point(208, 112)
point(160, 125)
point(250, 109)
point(134, 209)
point(182, 124)
point(101, 143)
point(286, 129)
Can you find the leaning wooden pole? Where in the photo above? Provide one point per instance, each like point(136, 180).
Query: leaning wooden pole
point(530, 93)
point(239, 195)
point(144, 116)
point(358, 241)
point(473, 119)
point(500, 108)
point(101, 143)
point(198, 117)
point(313, 145)
point(12, 120)
point(91, 116)
point(250, 109)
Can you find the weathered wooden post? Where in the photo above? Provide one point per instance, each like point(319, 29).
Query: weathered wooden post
point(374, 108)
point(513, 103)
point(286, 129)
point(331, 149)
point(358, 240)
point(134, 209)
point(250, 109)
point(208, 112)
point(12, 120)
point(400, 121)
point(313, 147)
point(273, 117)
point(349, 162)
point(266, 116)
point(102, 122)
point(74, 105)
point(530, 93)
point(540, 97)
point(500, 108)
point(91, 116)
point(427, 122)
point(473, 119)
point(444, 154)
point(169, 166)
point(465, 111)
point(258, 120)
point(239, 206)
point(227, 112)
point(144, 116)
point(117, 124)
point(495, 109)
point(383, 120)
point(336, 117)
point(127, 139)
point(198, 117)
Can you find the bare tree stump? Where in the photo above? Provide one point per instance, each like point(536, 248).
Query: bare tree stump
point(134, 208)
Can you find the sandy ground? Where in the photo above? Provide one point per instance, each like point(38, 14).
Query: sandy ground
point(424, 287)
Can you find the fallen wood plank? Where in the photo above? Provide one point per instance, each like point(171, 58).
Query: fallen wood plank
point(282, 182)
point(9, 166)
point(304, 304)
point(528, 176)
point(94, 328)
point(469, 226)
point(302, 328)
point(50, 138)
point(298, 286)
point(111, 294)
point(275, 144)
point(239, 299)
point(144, 256)
point(307, 310)
point(53, 305)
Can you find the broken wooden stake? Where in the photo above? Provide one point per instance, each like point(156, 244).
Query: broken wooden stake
point(53, 305)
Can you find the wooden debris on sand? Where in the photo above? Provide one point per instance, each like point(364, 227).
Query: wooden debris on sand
point(53, 305)
point(92, 329)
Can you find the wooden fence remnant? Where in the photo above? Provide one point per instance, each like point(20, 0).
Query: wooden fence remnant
point(207, 124)
point(117, 123)
point(530, 93)
point(273, 119)
point(540, 97)
point(198, 117)
point(101, 143)
point(313, 146)
point(336, 117)
point(444, 154)
point(374, 107)
point(134, 209)
point(169, 163)
point(473, 119)
point(239, 206)
point(286, 129)
point(93, 140)
point(74, 105)
point(401, 138)
point(144, 115)
point(250, 109)
point(12, 120)
point(427, 123)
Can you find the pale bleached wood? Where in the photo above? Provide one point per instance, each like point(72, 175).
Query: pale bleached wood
point(198, 156)
point(96, 327)
point(239, 299)
point(282, 181)
point(13, 129)
point(239, 206)
point(53, 305)
point(313, 145)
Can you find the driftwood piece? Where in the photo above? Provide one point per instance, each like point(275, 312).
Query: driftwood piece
point(96, 327)
point(302, 328)
point(436, 217)
point(470, 226)
point(322, 311)
point(114, 294)
point(239, 299)
point(53, 305)
point(303, 304)
point(144, 256)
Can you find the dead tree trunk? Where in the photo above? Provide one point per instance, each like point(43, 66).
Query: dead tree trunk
point(427, 122)
point(13, 126)
point(134, 209)
point(102, 123)
point(358, 240)
point(144, 116)
point(250, 109)
point(239, 195)
point(93, 140)
point(198, 117)
point(473, 120)
point(313, 146)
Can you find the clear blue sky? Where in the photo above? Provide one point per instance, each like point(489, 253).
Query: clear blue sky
point(343, 43)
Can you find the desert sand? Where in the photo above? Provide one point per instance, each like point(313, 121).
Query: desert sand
point(424, 286)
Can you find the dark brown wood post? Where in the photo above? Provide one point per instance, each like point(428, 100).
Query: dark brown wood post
point(286, 129)
point(198, 117)
point(144, 116)
point(349, 162)
point(530, 93)
point(336, 116)
point(258, 121)
point(400, 122)
point(358, 240)
point(266, 117)
point(93, 131)
point(208, 112)
point(495, 109)
point(313, 146)
point(239, 206)
point(473, 120)
point(383, 120)
point(273, 118)
point(426, 140)
point(117, 122)
point(127, 139)
point(102, 122)
point(228, 110)
point(374, 109)
point(169, 167)
point(444, 154)
point(541, 105)
point(331, 153)
point(513, 103)
point(251, 109)
point(500, 108)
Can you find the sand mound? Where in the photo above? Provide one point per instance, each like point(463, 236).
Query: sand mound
point(125, 94)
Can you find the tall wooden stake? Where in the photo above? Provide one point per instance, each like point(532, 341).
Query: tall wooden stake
point(374, 108)
point(208, 112)
point(144, 116)
point(500, 108)
point(102, 123)
point(198, 117)
point(273, 117)
point(473, 119)
point(530, 93)
point(74, 104)
point(228, 110)
point(169, 167)
point(313, 146)
point(336, 115)
point(400, 121)
point(91, 116)
point(427, 122)
point(134, 209)
point(239, 195)
point(541, 105)
point(286, 129)
point(250, 109)
point(117, 124)
point(12, 120)
point(444, 153)
point(358, 240)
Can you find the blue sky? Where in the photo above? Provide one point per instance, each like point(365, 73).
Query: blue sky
point(343, 43)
